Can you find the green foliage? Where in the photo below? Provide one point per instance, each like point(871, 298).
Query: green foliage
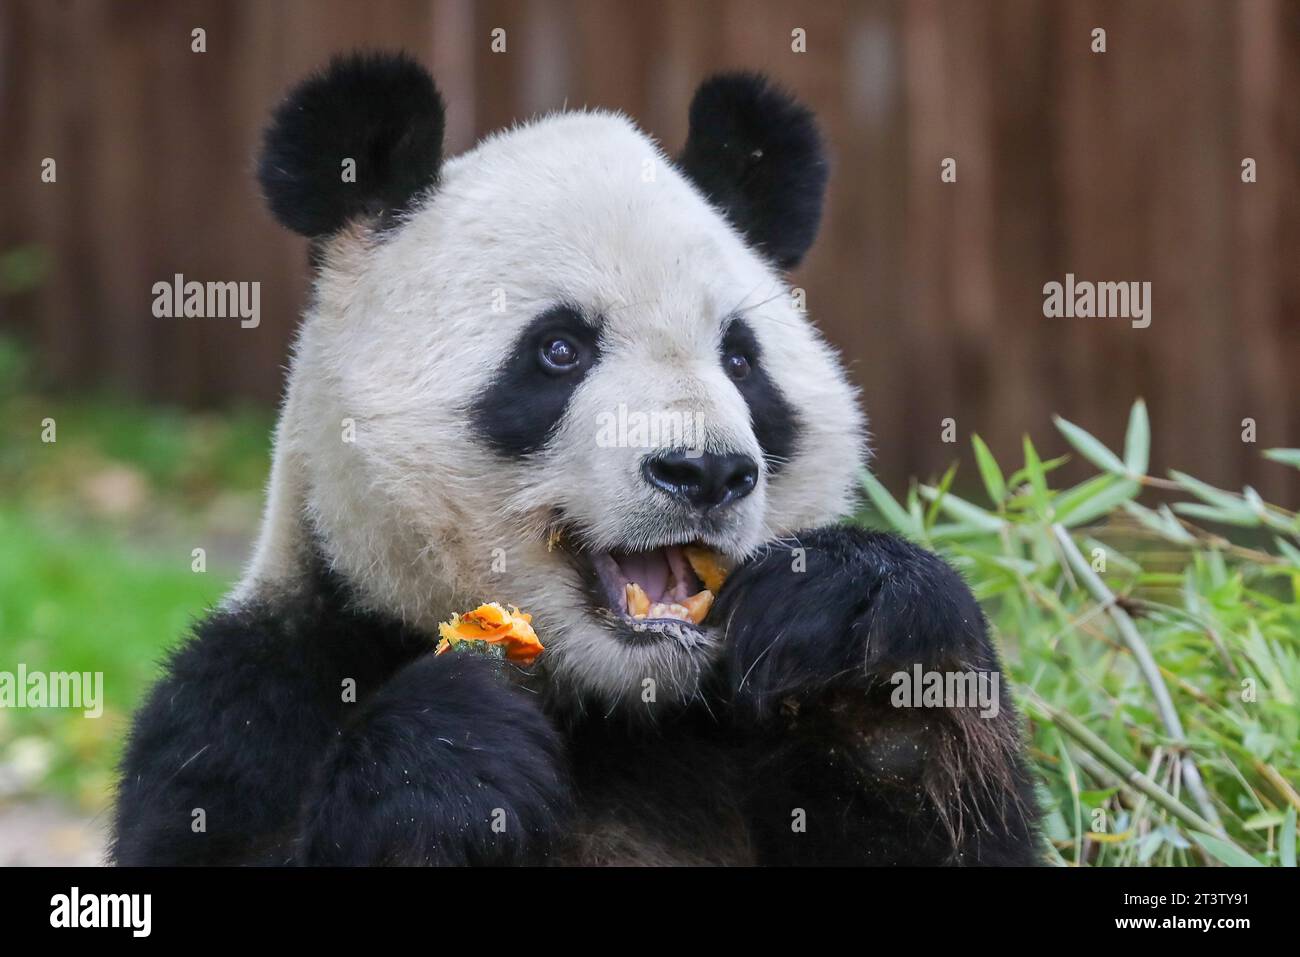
point(73, 599)
point(1080, 585)
point(96, 537)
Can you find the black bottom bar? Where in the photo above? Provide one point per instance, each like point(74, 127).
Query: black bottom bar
point(330, 906)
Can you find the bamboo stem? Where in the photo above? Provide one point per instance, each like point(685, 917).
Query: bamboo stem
point(1150, 671)
point(1129, 774)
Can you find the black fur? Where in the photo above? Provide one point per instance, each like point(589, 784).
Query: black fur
point(442, 753)
point(250, 726)
point(381, 110)
point(666, 793)
point(814, 628)
point(890, 604)
point(524, 402)
point(757, 155)
point(776, 425)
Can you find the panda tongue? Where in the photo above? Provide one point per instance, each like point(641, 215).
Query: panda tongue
point(647, 569)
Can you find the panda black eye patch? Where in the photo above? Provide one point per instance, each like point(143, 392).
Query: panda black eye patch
point(530, 390)
point(776, 426)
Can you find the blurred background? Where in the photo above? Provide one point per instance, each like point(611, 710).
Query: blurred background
point(1116, 166)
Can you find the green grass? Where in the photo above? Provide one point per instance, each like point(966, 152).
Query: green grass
point(72, 601)
point(1083, 585)
point(96, 533)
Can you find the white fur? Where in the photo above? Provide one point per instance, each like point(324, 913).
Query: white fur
point(402, 338)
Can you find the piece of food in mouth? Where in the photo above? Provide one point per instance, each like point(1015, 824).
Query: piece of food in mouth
point(708, 565)
point(661, 583)
point(492, 630)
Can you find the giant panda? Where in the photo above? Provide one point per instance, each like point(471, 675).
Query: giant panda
point(471, 321)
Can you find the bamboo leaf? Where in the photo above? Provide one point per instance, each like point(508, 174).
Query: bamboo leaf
point(1285, 456)
point(1020, 476)
point(1163, 522)
point(963, 510)
point(1103, 503)
point(1265, 820)
point(1150, 844)
point(1222, 851)
point(1137, 440)
point(994, 484)
point(1206, 493)
point(888, 506)
point(1289, 551)
point(1036, 474)
point(945, 483)
point(956, 531)
point(1240, 516)
point(1069, 500)
point(1089, 447)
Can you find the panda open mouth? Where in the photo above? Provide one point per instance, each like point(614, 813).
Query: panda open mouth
point(656, 591)
point(653, 585)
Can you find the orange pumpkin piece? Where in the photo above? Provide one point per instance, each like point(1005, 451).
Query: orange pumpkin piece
point(508, 632)
point(708, 566)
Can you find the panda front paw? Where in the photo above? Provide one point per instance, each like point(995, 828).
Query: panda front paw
point(834, 607)
point(448, 765)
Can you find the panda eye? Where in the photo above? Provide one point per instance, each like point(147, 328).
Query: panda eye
point(736, 366)
point(559, 354)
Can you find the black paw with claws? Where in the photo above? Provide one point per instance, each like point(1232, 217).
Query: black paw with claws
point(835, 607)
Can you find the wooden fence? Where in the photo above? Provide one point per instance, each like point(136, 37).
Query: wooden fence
point(1117, 166)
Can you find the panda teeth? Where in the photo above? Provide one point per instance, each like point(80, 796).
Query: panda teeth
point(670, 609)
point(698, 605)
point(692, 609)
point(638, 602)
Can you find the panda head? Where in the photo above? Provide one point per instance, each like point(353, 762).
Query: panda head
point(534, 372)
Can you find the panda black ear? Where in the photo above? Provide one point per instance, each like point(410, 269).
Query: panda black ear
point(755, 152)
point(383, 112)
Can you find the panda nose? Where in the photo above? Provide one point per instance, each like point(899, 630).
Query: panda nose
point(701, 479)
